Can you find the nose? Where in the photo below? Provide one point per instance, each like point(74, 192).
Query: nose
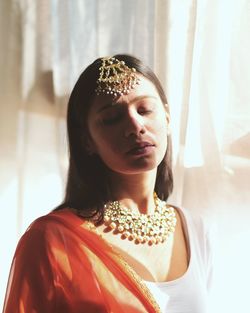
point(134, 125)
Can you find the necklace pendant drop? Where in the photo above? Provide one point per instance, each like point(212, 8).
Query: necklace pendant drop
point(141, 228)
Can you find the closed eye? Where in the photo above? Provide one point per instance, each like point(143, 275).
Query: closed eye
point(145, 109)
point(145, 112)
point(111, 120)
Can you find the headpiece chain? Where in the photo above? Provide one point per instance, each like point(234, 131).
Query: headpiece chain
point(116, 78)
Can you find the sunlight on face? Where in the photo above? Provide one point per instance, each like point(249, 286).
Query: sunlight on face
point(130, 133)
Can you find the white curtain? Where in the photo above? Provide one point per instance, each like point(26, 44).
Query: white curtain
point(199, 49)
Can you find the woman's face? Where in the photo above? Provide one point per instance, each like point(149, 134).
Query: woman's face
point(130, 134)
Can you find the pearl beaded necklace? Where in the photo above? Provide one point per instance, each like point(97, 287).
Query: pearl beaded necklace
point(151, 228)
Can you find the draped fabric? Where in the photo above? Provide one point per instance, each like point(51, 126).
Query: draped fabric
point(200, 51)
point(61, 265)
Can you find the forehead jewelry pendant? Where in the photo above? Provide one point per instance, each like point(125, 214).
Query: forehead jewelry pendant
point(116, 78)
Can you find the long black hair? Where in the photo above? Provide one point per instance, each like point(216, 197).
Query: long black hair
point(87, 185)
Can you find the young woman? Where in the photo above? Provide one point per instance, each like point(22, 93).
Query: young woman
point(114, 245)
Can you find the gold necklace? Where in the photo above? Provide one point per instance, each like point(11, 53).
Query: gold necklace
point(151, 228)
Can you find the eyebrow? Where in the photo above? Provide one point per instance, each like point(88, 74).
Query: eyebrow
point(136, 99)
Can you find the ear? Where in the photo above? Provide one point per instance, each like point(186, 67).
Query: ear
point(166, 107)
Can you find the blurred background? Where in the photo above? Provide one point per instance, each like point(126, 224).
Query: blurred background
point(199, 50)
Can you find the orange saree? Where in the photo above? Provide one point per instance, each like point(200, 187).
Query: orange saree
point(62, 265)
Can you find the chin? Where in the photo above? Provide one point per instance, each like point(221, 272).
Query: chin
point(138, 168)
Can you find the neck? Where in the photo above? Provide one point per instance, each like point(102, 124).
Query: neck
point(135, 191)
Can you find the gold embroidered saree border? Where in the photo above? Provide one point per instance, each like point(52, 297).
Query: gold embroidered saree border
point(128, 270)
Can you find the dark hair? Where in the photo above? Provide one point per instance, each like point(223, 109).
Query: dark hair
point(87, 185)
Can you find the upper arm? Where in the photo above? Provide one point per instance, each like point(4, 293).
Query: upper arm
point(31, 284)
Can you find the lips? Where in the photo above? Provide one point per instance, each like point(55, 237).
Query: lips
point(140, 147)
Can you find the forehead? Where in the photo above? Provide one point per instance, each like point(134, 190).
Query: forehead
point(145, 89)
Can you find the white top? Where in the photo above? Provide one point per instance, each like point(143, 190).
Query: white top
point(189, 293)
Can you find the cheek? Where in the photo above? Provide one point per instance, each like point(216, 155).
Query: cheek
point(161, 125)
point(161, 129)
point(104, 143)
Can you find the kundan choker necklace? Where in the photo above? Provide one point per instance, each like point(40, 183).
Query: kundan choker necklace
point(151, 228)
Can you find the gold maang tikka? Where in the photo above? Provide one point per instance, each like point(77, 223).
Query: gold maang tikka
point(116, 78)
